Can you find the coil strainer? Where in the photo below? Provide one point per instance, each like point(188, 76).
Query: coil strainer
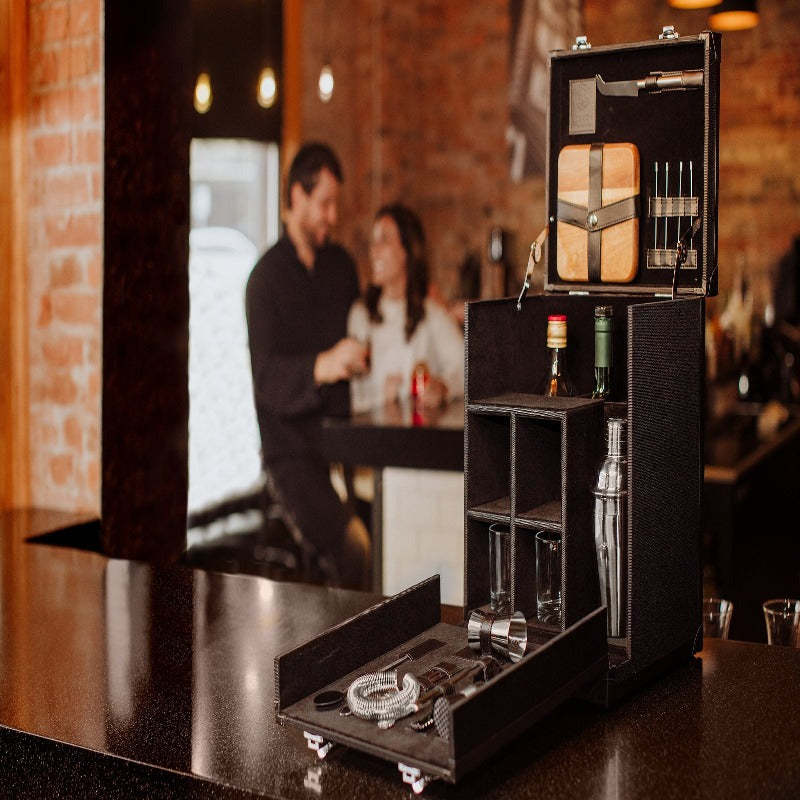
point(376, 696)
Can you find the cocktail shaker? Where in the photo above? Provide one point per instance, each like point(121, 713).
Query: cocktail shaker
point(610, 523)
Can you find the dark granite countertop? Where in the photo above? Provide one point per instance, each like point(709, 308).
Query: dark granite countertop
point(119, 679)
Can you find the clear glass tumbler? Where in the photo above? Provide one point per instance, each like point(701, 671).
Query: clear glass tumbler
point(717, 615)
point(500, 568)
point(548, 577)
point(782, 617)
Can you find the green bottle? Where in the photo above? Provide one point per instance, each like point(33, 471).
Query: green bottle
point(603, 351)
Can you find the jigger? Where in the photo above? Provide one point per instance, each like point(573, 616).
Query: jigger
point(506, 635)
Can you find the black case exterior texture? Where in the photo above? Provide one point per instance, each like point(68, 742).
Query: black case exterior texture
point(659, 368)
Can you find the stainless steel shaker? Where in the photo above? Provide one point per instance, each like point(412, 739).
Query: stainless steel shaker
point(610, 523)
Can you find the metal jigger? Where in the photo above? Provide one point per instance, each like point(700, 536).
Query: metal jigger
point(506, 635)
point(610, 499)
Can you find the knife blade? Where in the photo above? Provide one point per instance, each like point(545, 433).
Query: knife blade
point(654, 82)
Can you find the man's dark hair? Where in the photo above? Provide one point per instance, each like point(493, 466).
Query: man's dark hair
point(309, 161)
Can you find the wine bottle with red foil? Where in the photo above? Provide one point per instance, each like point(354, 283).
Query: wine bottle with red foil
point(556, 383)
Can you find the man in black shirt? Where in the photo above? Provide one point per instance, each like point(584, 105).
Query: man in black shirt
point(297, 300)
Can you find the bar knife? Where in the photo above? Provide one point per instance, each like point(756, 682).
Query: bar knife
point(654, 82)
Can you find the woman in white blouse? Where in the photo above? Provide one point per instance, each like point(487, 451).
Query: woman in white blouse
point(401, 324)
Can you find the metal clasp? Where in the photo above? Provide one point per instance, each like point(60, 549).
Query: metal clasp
point(318, 743)
point(415, 776)
point(668, 32)
point(582, 43)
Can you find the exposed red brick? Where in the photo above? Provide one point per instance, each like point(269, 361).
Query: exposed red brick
point(73, 432)
point(76, 307)
point(58, 388)
point(88, 145)
point(73, 229)
point(61, 468)
point(50, 149)
point(68, 188)
point(84, 17)
point(63, 351)
point(48, 23)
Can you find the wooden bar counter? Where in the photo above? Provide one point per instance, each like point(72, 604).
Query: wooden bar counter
point(120, 680)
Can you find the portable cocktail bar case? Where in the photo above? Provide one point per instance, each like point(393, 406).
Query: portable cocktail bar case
point(531, 461)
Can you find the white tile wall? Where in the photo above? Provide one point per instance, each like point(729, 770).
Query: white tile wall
point(423, 530)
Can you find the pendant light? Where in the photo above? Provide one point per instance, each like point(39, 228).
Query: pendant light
point(693, 3)
point(325, 88)
point(267, 88)
point(325, 83)
point(734, 15)
point(203, 96)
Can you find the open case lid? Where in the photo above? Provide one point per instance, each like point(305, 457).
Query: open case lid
point(657, 103)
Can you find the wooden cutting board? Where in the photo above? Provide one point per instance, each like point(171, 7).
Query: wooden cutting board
point(619, 256)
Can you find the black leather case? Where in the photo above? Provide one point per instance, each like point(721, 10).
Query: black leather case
point(531, 461)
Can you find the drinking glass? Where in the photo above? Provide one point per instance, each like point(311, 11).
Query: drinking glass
point(500, 568)
point(717, 615)
point(782, 616)
point(548, 577)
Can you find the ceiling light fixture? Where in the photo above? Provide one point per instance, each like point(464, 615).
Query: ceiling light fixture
point(267, 88)
point(734, 15)
point(203, 96)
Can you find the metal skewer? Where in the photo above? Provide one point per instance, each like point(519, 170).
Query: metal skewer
point(691, 194)
point(666, 195)
point(655, 215)
point(680, 195)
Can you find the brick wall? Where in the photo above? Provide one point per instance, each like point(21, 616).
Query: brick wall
point(65, 257)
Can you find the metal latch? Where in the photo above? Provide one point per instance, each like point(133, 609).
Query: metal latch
point(669, 32)
point(415, 776)
point(318, 743)
point(582, 43)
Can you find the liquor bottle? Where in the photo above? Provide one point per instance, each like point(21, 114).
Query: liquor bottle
point(610, 498)
point(556, 384)
point(603, 353)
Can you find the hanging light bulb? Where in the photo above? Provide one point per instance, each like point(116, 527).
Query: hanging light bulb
point(734, 15)
point(325, 83)
point(203, 96)
point(693, 3)
point(267, 88)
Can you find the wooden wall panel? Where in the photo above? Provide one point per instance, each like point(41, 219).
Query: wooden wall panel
point(14, 478)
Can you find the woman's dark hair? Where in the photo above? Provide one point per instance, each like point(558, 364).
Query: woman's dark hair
point(306, 166)
point(412, 239)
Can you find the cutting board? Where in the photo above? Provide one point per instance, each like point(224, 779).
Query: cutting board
point(620, 243)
